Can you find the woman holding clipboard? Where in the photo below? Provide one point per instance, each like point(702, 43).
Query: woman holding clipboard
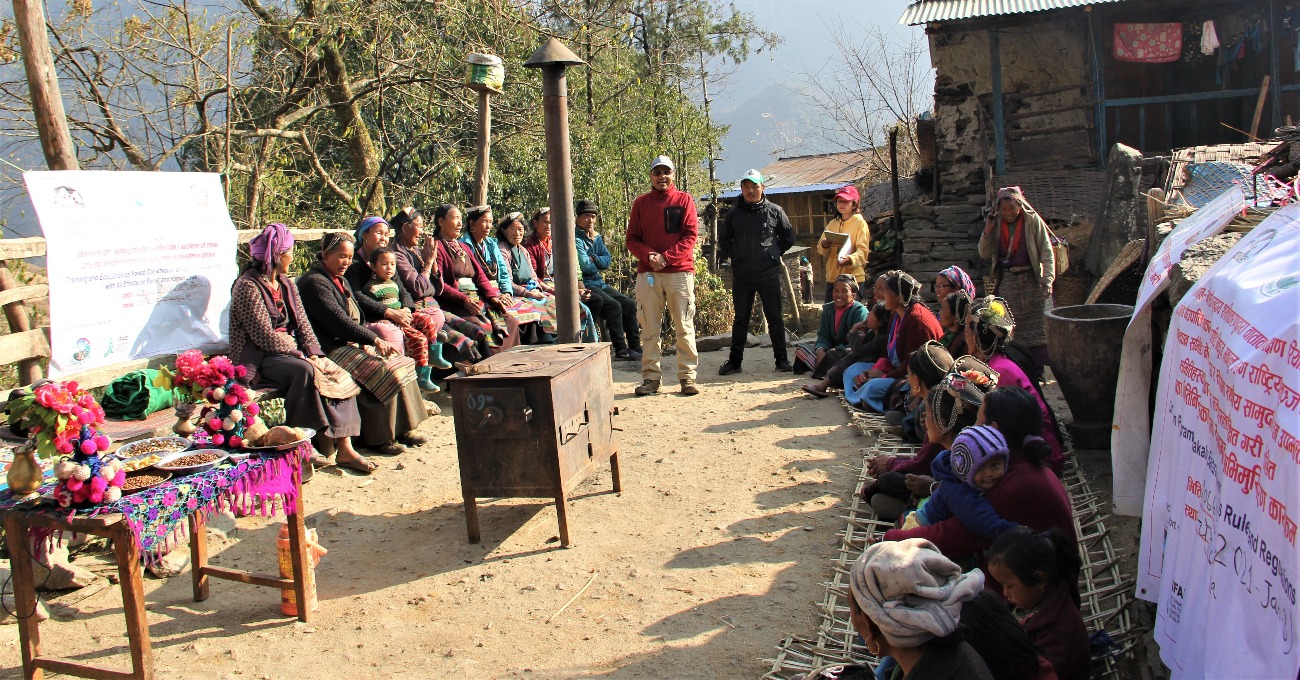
point(846, 243)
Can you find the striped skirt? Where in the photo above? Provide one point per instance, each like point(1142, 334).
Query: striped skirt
point(1028, 304)
point(381, 377)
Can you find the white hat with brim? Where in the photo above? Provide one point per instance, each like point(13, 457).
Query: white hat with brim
point(664, 161)
point(754, 176)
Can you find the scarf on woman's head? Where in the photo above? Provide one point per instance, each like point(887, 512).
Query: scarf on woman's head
point(903, 285)
point(274, 241)
point(962, 280)
point(365, 224)
point(911, 591)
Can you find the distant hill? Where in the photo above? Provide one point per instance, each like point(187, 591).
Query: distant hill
point(772, 122)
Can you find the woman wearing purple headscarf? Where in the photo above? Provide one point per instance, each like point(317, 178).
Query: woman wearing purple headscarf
point(271, 336)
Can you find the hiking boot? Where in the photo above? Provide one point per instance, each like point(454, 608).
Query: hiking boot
point(689, 389)
point(784, 366)
point(647, 388)
point(729, 367)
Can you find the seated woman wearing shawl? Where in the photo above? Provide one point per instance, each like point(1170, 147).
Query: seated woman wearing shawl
point(390, 402)
point(372, 234)
point(535, 323)
point(417, 268)
point(461, 275)
point(523, 279)
point(839, 317)
point(910, 327)
point(271, 337)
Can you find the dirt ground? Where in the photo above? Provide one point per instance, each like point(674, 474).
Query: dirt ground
point(714, 552)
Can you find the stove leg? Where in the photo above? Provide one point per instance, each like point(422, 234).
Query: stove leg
point(471, 519)
point(562, 512)
point(613, 468)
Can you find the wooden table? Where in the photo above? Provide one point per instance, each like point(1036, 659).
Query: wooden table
point(114, 527)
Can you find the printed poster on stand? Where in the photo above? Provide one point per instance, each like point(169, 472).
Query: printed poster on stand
point(139, 264)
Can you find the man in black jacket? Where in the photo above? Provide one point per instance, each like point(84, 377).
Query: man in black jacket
point(754, 234)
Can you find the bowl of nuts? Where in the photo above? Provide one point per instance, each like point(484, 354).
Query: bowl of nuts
point(154, 445)
point(190, 462)
point(140, 482)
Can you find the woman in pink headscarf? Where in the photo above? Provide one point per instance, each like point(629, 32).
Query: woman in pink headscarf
point(271, 336)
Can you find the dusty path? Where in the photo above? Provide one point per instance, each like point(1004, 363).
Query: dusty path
point(714, 552)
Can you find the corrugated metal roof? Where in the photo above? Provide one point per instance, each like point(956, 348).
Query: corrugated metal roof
point(927, 11)
point(810, 173)
point(772, 191)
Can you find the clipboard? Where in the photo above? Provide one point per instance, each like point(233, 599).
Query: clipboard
point(840, 240)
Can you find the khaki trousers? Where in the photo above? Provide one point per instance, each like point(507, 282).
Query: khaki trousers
point(677, 292)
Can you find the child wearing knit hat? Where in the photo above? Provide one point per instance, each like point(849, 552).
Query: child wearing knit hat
point(974, 464)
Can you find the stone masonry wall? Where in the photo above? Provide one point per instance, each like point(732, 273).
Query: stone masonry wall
point(1039, 56)
point(937, 237)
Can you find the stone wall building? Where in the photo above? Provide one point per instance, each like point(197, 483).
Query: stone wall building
point(1037, 93)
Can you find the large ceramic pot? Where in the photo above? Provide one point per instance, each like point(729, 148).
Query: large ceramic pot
point(1085, 343)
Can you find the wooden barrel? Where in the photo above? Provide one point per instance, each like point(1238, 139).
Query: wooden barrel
point(1085, 343)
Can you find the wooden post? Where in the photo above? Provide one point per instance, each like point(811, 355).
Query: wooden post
point(1259, 109)
point(893, 181)
point(999, 123)
point(56, 141)
point(43, 84)
point(795, 300)
point(484, 146)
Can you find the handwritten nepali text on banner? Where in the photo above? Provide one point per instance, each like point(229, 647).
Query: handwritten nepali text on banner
point(1223, 489)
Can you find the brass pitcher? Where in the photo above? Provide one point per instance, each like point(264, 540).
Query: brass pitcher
point(25, 473)
point(184, 415)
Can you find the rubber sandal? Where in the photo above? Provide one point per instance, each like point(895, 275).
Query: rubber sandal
point(320, 461)
point(820, 394)
point(361, 465)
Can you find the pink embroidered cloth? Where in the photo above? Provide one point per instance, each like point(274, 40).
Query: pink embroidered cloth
point(1149, 43)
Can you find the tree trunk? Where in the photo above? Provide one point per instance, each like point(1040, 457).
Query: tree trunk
point(361, 148)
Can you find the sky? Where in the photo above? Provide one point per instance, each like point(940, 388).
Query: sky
point(756, 99)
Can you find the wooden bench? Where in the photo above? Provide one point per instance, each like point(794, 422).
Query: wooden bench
point(27, 346)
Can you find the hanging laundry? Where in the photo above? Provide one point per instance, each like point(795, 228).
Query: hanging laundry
point(1209, 38)
point(1148, 43)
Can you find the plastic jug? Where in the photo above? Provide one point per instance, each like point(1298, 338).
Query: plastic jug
point(288, 599)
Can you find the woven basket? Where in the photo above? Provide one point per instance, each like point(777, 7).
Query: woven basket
point(1070, 289)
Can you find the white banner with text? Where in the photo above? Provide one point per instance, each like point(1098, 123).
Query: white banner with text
point(139, 264)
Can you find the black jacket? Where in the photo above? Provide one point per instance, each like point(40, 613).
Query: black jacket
point(754, 236)
point(327, 309)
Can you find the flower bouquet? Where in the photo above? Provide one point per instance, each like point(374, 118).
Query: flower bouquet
point(230, 412)
point(63, 419)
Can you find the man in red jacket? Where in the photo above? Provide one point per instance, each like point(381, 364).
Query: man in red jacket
point(661, 233)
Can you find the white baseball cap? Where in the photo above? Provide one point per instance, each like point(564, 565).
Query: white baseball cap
point(664, 161)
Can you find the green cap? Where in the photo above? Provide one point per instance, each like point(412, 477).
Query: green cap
point(754, 176)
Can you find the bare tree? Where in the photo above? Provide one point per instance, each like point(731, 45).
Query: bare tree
point(879, 82)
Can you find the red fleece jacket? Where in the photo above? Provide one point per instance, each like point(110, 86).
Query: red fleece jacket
point(663, 222)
